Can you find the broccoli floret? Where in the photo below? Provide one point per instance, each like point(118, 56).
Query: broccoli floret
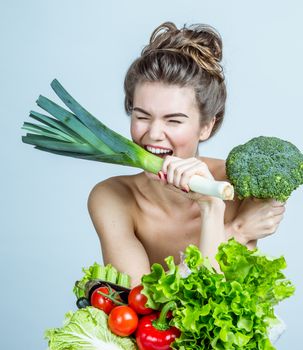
point(265, 167)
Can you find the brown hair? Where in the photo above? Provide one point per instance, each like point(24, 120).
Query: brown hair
point(189, 56)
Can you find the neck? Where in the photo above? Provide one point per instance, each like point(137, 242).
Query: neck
point(162, 195)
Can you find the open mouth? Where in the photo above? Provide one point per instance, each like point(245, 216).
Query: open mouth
point(159, 151)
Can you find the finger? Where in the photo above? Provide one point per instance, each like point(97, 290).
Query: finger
point(278, 210)
point(257, 200)
point(170, 168)
point(270, 231)
point(169, 173)
point(271, 212)
point(278, 203)
point(273, 225)
point(278, 219)
point(162, 177)
point(270, 201)
point(181, 171)
point(200, 169)
point(167, 161)
point(173, 171)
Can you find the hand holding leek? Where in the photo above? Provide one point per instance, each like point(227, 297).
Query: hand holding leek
point(79, 134)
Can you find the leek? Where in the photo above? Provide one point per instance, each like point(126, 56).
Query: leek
point(77, 133)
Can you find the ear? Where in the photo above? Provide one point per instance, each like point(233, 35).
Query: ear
point(206, 130)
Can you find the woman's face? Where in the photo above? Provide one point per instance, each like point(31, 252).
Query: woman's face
point(166, 121)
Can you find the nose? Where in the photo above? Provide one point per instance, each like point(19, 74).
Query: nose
point(156, 131)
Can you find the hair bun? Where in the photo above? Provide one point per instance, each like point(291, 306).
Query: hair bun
point(199, 41)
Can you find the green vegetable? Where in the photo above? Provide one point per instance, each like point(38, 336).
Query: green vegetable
point(86, 329)
point(98, 272)
point(265, 167)
point(233, 310)
point(81, 135)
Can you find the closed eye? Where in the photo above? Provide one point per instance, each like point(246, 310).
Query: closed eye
point(142, 118)
point(175, 121)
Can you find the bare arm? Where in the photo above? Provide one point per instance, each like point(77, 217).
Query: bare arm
point(212, 209)
point(110, 212)
point(212, 228)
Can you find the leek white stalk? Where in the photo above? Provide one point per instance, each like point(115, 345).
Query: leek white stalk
point(79, 134)
point(220, 189)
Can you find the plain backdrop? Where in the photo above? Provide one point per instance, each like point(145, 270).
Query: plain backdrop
point(46, 233)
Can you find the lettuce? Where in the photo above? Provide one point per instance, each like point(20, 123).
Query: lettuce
point(229, 310)
point(86, 329)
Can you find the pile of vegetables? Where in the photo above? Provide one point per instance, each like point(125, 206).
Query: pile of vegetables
point(111, 316)
point(203, 309)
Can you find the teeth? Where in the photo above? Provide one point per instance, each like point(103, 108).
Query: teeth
point(157, 150)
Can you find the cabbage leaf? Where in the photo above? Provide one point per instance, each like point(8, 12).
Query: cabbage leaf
point(86, 329)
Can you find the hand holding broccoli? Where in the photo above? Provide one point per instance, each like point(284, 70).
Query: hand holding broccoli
point(269, 169)
point(256, 219)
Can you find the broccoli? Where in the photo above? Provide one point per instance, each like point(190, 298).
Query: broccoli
point(265, 167)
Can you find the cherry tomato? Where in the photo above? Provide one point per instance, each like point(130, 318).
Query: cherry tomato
point(122, 321)
point(101, 302)
point(137, 301)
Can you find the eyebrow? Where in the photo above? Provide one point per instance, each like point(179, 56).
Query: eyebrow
point(165, 116)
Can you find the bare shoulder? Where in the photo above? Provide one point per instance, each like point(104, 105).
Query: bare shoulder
point(111, 186)
point(115, 190)
point(112, 200)
point(216, 167)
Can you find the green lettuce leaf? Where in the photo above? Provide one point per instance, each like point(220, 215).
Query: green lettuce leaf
point(161, 285)
point(86, 329)
point(229, 310)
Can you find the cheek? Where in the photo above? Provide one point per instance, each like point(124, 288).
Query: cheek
point(136, 131)
point(187, 139)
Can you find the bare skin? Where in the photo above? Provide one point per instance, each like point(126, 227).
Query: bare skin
point(137, 228)
point(141, 219)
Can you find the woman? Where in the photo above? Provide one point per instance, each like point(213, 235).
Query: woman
point(175, 94)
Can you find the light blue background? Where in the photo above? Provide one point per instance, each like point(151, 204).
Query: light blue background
point(46, 233)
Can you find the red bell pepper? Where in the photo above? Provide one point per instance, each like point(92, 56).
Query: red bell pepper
point(153, 331)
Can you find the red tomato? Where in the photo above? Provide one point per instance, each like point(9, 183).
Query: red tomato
point(101, 302)
point(137, 301)
point(122, 321)
point(150, 338)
